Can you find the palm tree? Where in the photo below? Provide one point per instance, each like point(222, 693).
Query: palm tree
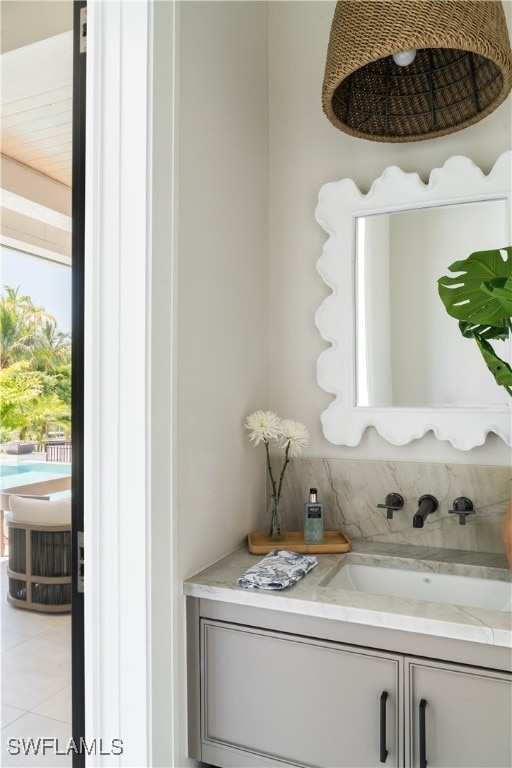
point(35, 368)
point(25, 407)
point(52, 347)
point(20, 326)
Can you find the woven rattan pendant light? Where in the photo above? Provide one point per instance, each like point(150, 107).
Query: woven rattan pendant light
point(462, 70)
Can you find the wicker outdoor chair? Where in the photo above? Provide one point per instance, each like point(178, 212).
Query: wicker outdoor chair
point(39, 569)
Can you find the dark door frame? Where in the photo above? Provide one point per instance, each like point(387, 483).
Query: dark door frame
point(77, 393)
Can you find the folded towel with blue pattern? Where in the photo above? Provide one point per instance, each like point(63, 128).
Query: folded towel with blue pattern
point(279, 569)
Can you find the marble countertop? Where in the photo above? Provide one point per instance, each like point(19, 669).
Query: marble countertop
point(310, 598)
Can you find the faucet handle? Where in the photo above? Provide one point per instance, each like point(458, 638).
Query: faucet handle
point(462, 506)
point(392, 502)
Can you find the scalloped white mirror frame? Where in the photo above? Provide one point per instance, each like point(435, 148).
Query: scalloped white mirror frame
point(339, 204)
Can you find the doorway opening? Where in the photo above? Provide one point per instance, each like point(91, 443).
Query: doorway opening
point(37, 284)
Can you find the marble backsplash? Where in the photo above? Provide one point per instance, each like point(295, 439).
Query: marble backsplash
point(351, 490)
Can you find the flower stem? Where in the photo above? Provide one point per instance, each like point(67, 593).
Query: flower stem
point(286, 462)
point(269, 467)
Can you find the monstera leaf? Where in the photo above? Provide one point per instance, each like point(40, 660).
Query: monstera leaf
point(500, 289)
point(465, 296)
point(468, 330)
point(500, 369)
point(480, 298)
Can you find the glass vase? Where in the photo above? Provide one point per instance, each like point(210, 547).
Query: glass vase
point(276, 519)
point(506, 533)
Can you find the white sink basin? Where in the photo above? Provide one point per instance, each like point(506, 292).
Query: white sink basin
point(468, 591)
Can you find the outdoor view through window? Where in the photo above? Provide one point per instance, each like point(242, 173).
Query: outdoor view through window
point(36, 120)
point(35, 383)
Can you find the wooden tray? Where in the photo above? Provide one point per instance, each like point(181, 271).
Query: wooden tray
point(334, 541)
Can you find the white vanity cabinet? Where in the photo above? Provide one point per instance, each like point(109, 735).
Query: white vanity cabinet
point(458, 716)
point(268, 689)
point(297, 700)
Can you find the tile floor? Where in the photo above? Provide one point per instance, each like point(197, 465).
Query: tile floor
point(35, 690)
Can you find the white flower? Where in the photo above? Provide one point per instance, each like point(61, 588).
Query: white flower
point(263, 425)
point(295, 434)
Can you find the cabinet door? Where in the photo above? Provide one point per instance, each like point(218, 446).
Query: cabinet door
point(466, 714)
point(297, 700)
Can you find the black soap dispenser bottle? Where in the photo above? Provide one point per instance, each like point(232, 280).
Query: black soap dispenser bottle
point(313, 519)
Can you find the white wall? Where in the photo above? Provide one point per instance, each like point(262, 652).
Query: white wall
point(222, 273)
point(165, 702)
point(222, 204)
point(306, 151)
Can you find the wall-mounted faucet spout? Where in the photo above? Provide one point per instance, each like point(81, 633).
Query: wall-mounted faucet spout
point(426, 505)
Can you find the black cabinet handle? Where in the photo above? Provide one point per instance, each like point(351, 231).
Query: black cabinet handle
point(423, 746)
point(383, 750)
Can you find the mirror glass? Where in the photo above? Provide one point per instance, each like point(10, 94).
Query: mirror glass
point(395, 360)
point(409, 352)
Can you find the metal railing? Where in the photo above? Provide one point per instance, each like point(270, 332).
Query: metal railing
point(58, 450)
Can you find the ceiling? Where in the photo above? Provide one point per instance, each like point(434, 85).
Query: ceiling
point(36, 62)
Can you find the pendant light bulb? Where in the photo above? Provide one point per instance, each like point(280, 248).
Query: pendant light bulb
point(404, 58)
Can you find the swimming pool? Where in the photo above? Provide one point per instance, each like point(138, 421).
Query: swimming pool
point(12, 475)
